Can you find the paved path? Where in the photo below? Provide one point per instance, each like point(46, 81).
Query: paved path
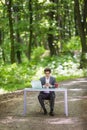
point(11, 109)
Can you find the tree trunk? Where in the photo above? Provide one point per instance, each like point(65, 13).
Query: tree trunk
point(85, 17)
point(1, 44)
point(82, 32)
point(75, 20)
point(9, 6)
point(18, 47)
point(30, 30)
point(51, 43)
point(18, 39)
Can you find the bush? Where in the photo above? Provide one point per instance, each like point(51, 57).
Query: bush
point(37, 52)
point(14, 77)
point(72, 45)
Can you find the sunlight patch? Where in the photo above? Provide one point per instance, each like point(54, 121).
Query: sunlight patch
point(63, 121)
point(2, 91)
point(10, 119)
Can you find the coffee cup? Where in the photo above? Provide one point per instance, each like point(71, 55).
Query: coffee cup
point(56, 85)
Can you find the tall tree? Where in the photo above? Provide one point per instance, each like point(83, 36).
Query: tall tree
point(9, 9)
point(30, 28)
point(1, 44)
point(2, 32)
point(82, 29)
point(50, 32)
point(18, 38)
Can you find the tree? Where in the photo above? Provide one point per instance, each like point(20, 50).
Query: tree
point(17, 37)
point(45, 23)
point(1, 44)
point(9, 10)
point(82, 29)
point(30, 28)
point(51, 36)
point(2, 31)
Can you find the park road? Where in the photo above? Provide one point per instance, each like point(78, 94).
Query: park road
point(11, 110)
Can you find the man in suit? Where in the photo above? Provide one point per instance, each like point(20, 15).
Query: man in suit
point(47, 82)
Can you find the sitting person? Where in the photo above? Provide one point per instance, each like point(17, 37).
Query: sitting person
point(47, 82)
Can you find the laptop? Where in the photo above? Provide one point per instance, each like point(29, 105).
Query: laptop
point(36, 84)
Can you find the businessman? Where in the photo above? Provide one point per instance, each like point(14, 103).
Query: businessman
point(47, 82)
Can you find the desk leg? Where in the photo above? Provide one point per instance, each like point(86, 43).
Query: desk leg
point(66, 103)
point(24, 102)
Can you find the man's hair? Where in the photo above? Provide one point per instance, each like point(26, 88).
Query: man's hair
point(47, 69)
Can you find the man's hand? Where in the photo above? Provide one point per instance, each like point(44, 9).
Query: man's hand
point(47, 85)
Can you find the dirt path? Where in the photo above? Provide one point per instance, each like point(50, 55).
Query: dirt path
point(11, 110)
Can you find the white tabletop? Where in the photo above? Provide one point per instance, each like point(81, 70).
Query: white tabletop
point(45, 89)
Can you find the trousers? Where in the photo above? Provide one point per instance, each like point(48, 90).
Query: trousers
point(47, 96)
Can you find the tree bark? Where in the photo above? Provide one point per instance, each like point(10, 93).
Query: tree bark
point(30, 29)
point(18, 38)
point(1, 44)
point(18, 47)
point(82, 32)
point(85, 17)
point(9, 6)
point(51, 43)
point(75, 20)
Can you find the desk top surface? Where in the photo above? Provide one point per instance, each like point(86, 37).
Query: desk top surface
point(45, 89)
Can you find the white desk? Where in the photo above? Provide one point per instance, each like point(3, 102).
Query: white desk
point(44, 89)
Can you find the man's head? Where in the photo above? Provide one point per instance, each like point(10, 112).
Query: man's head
point(47, 72)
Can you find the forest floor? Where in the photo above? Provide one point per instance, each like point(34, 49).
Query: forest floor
point(11, 110)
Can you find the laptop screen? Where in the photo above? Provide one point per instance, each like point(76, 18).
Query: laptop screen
point(36, 84)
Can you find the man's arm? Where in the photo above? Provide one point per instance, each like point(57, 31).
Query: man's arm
point(53, 82)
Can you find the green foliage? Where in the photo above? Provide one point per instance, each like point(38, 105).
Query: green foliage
point(63, 66)
point(14, 77)
point(55, 18)
point(72, 45)
point(37, 52)
point(85, 72)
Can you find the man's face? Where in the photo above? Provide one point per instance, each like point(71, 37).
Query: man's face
point(47, 73)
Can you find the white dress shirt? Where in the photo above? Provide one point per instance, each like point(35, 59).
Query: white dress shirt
point(47, 81)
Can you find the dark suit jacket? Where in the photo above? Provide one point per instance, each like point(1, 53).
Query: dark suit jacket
point(52, 81)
